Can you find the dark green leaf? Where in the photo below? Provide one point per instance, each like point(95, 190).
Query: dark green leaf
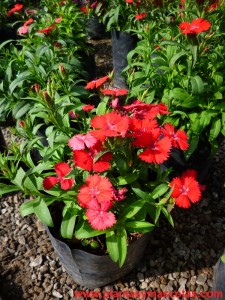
point(42, 212)
point(112, 245)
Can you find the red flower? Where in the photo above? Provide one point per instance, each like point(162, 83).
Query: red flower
point(91, 160)
point(16, 7)
point(158, 148)
point(23, 30)
point(47, 30)
point(96, 188)
point(142, 110)
point(110, 124)
point(28, 22)
point(58, 20)
point(115, 92)
point(88, 107)
point(96, 83)
point(22, 123)
point(62, 169)
point(140, 16)
point(84, 9)
point(138, 126)
point(178, 138)
point(196, 26)
point(118, 195)
point(98, 215)
point(186, 189)
point(129, 1)
point(213, 6)
point(80, 141)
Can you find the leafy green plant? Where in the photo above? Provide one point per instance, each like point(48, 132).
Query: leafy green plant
point(184, 68)
point(102, 169)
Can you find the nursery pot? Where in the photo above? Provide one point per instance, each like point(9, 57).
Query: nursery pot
point(93, 271)
point(122, 44)
point(94, 29)
point(219, 280)
point(2, 141)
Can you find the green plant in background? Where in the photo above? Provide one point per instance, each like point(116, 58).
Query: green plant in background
point(48, 59)
point(181, 63)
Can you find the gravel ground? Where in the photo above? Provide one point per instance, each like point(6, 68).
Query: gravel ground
point(176, 259)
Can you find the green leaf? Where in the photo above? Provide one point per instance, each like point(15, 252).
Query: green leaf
point(168, 216)
point(197, 85)
point(112, 245)
point(20, 79)
point(123, 180)
point(101, 109)
point(215, 130)
point(27, 208)
point(139, 226)
point(193, 143)
point(223, 258)
point(42, 212)
point(84, 231)
point(143, 195)
point(131, 210)
point(121, 164)
point(122, 245)
point(7, 188)
point(176, 57)
point(68, 222)
point(19, 178)
point(159, 190)
point(20, 109)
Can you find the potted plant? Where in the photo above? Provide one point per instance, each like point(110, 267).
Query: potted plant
point(179, 61)
point(124, 20)
point(99, 181)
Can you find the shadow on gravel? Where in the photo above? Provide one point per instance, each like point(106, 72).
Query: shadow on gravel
point(9, 290)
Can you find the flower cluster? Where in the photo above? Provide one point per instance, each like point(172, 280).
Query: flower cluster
point(131, 129)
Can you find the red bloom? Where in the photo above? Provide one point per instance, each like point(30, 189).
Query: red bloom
point(138, 126)
point(110, 124)
point(80, 141)
point(213, 6)
point(62, 169)
point(96, 83)
point(118, 195)
point(84, 9)
point(140, 16)
point(96, 188)
point(23, 30)
point(186, 189)
point(47, 30)
point(58, 20)
point(142, 110)
point(158, 148)
point(178, 138)
point(129, 1)
point(98, 215)
point(91, 160)
point(115, 92)
point(16, 7)
point(88, 107)
point(28, 22)
point(196, 26)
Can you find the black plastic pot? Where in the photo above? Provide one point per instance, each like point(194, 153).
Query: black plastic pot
point(93, 271)
point(219, 281)
point(2, 142)
point(122, 44)
point(94, 29)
